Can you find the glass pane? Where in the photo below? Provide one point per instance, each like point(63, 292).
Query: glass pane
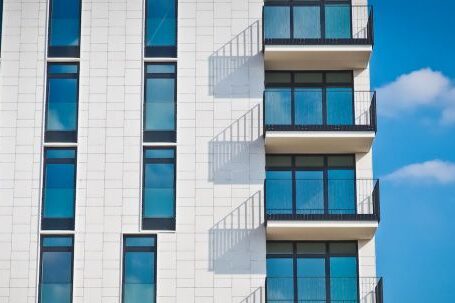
point(341, 161)
point(159, 153)
point(278, 106)
point(311, 248)
point(159, 192)
point(277, 77)
point(309, 192)
point(57, 241)
point(62, 105)
point(311, 279)
point(343, 282)
point(279, 192)
point(343, 248)
point(280, 281)
point(309, 161)
point(140, 241)
point(279, 161)
point(307, 22)
point(55, 153)
point(160, 68)
point(59, 191)
point(139, 277)
point(308, 78)
point(160, 106)
point(65, 23)
point(56, 276)
point(279, 248)
point(308, 106)
point(338, 21)
point(340, 109)
point(161, 23)
point(339, 77)
point(277, 22)
point(62, 69)
point(341, 192)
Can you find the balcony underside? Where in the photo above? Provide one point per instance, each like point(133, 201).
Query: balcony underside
point(320, 57)
point(330, 142)
point(320, 230)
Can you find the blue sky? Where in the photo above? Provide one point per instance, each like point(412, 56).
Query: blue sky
point(413, 69)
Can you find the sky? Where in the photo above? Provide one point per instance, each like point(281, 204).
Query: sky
point(413, 71)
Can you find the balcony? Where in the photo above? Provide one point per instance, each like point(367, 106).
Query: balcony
point(324, 289)
point(321, 209)
point(306, 36)
point(329, 120)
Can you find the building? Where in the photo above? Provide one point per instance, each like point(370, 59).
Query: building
point(199, 151)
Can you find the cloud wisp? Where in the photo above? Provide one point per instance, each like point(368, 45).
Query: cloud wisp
point(434, 171)
point(418, 89)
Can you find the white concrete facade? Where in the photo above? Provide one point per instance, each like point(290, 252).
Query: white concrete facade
point(218, 251)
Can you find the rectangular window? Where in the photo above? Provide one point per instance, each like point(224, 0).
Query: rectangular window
point(307, 20)
point(139, 269)
point(311, 185)
point(64, 28)
point(158, 207)
point(160, 102)
point(59, 189)
point(310, 99)
point(62, 102)
point(161, 28)
point(1, 25)
point(312, 272)
point(56, 269)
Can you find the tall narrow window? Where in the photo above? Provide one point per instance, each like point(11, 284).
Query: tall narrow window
point(158, 209)
point(56, 269)
point(161, 28)
point(59, 189)
point(64, 28)
point(160, 103)
point(139, 269)
point(1, 25)
point(62, 102)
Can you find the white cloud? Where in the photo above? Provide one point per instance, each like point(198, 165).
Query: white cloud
point(420, 88)
point(430, 171)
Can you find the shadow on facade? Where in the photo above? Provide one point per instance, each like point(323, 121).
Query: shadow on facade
point(229, 66)
point(257, 296)
point(231, 149)
point(234, 241)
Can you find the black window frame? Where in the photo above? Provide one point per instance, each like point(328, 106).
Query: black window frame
point(62, 136)
point(159, 223)
point(160, 51)
point(158, 135)
point(323, 85)
point(293, 168)
point(55, 249)
point(57, 223)
point(139, 249)
point(327, 255)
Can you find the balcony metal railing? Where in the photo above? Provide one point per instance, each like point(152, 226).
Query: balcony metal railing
point(322, 199)
point(287, 23)
point(324, 290)
point(302, 109)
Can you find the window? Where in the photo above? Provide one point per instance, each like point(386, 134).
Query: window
point(158, 209)
point(1, 25)
point(139, 269)
point(310, 20)
point(160, 103)
point(56, 269)
point(59, 189)
point(64, 28)
point(312, 272)
point(62, 102)
point(309, 99)
point(161, 28)
point(310, 185)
